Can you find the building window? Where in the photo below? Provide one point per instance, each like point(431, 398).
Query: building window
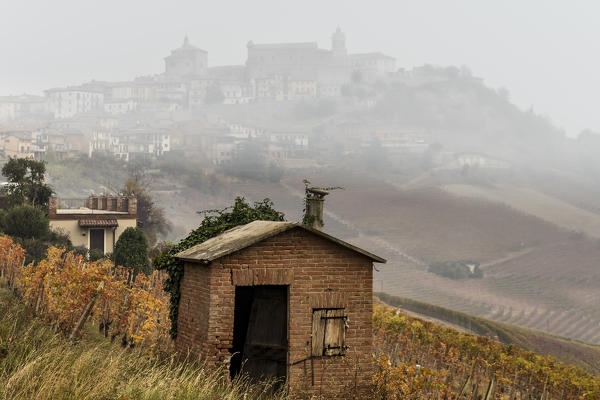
point(329, 332)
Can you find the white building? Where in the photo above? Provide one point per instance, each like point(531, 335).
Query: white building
point(120, 107)
point(372, 65)
point(16, 107)
point(68, 102)
point(129, 145)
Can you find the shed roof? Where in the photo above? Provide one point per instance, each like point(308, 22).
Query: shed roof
point(244, 236)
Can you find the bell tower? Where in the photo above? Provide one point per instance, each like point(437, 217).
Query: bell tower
point(338, 43)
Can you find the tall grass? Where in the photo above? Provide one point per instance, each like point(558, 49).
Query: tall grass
point(36, 363)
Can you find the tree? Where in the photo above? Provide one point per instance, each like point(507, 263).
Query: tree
point(131, 251)
point(26, 222)
point(150, 216)
point(29, 226)
point(27, 181)
point(214, 223)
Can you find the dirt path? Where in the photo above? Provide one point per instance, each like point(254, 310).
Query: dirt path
point(508, 257)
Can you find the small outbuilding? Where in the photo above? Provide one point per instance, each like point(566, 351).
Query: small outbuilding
point(95, 223)
point(281, 300)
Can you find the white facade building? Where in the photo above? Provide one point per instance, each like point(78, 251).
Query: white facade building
point(130, 145)
point(115, 107)
point(68, 102)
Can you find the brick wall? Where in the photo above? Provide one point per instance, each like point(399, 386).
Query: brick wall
point(321, 274)
point(194, 308)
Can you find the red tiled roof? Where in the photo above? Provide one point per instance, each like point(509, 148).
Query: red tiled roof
point(98, 223)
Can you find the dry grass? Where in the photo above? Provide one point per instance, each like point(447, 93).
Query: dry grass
point(35, 363)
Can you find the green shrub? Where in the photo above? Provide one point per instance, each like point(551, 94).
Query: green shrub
point(95, 254)
point(26, 222)
point(131, 250)
point(457, 269)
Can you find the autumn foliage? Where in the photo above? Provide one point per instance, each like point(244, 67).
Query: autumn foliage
point(423, 360)
point(12, 257)
point(416, 359)
point(65, 289)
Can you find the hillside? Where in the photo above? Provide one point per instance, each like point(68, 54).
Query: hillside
point(585, 356)
point(524, 258)
point(539, 268)
point(532, 224)
point(425, 360)
point(37, 363)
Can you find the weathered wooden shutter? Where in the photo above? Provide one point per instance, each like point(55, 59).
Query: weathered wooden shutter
point(329, 332)
point(318, 333)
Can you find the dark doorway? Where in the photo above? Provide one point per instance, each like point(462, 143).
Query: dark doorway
point(260, 332)
point(97, 239)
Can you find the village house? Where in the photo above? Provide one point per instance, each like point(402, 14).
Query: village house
point(94, 223)
point(24, 106)
point(18, 145)
point(131, 144)
point(70, 101)
point(281, 300)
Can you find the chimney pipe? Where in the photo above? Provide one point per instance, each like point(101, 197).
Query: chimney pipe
point(313, 216)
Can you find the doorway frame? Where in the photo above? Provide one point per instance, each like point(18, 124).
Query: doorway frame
point(89, 235)
point(287, 325)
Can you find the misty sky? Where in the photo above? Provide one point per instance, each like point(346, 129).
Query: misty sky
point(545, 52)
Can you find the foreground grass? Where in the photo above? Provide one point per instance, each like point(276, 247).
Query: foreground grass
point(36, 363)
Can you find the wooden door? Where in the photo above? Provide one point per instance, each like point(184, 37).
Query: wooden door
point(266, 345)
point(97, 239)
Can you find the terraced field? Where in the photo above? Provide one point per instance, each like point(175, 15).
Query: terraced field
point(534, 203)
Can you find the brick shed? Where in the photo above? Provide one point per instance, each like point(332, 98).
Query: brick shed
point(283, 300)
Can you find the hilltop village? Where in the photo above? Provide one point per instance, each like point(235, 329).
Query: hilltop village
point(100, 116)
point(193, 108)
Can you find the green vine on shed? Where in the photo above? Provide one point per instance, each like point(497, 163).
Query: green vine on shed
point(214, 223)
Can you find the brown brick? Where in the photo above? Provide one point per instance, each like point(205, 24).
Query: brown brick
point(320, 274)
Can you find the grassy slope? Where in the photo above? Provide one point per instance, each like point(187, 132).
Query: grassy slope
point(569, 351)
point(35, 363)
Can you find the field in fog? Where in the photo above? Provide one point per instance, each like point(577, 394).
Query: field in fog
point(537, 273)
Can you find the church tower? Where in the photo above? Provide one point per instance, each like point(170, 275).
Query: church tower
point(338, 43)
point(186, 61)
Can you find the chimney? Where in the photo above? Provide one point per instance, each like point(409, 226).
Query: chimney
point(132, 206)
point(313, 216)
point(121, 206)
point(52, 206)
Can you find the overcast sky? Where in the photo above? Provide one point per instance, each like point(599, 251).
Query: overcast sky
point(545, 52)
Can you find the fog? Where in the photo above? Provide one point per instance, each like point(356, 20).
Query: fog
point(544, 52)
point(464, 133)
